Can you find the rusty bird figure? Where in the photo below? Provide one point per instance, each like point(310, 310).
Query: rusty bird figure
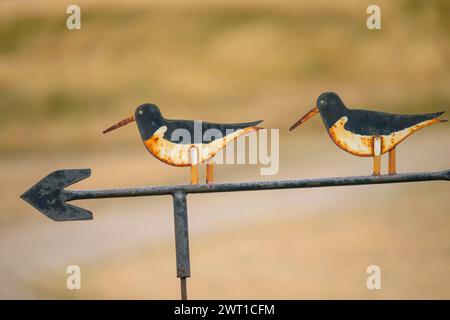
point(366, 133)
point(184, 143)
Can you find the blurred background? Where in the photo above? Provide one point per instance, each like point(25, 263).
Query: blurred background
point(222, 61)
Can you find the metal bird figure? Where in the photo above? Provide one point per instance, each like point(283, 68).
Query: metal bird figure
point(183, 142)
point(366, 133)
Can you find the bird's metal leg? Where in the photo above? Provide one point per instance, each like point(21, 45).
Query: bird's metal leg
point(376, 156)
point(392, 166)
point(194, 174)
point(194, 165)
point(210, 171)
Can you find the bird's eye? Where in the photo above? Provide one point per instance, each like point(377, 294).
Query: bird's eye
point(322, 101)
point(141, 112)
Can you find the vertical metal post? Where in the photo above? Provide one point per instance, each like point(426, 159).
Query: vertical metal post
point(181, 240)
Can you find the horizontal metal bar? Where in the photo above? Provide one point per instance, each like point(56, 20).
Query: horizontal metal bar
point(256, 185)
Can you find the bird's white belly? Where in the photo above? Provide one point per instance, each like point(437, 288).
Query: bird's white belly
point(180, 154)
point(362, 145)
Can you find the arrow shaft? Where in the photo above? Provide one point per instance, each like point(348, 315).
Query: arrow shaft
point(255, 185)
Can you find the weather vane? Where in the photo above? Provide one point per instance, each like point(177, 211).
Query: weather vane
point(360, 132)
point(366, 133)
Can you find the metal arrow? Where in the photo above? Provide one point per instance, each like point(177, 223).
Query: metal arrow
point(49, 195)
point(50, 198)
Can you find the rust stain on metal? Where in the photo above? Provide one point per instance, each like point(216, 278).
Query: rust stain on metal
point(120, 124)
point(307, 116)
point(355, 144)
point(179, 154)
point(362, 146)
point(390, 141)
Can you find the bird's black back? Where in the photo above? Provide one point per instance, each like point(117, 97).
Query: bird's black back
point(175, 128)
point(366, 122)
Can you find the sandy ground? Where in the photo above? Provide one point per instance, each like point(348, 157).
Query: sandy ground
point(272, 244)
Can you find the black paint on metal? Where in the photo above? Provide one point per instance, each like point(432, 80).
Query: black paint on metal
point(366, 122)
point(181, 240)
point(181, 235)
point(49, 196)
point(256, 185)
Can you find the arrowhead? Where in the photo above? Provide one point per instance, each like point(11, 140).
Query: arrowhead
point(49, 197)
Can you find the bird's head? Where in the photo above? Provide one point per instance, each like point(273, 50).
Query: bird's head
point(148, 119)
point(328, 103)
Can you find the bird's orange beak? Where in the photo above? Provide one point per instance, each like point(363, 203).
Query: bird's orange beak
point(304, 118)
point(120, 124)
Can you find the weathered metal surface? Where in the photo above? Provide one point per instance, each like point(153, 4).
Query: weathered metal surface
point(392, 167)
point(376, 156)
point(210, 172)
point(181, 234)
point(356, 144)
point(178, 155)
point(362, 145)
point(353, 130)
point(163, 141)
point(258, 185)
point(183, 287)
point(120, 124)
point(49, 195)
point(307, 116)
